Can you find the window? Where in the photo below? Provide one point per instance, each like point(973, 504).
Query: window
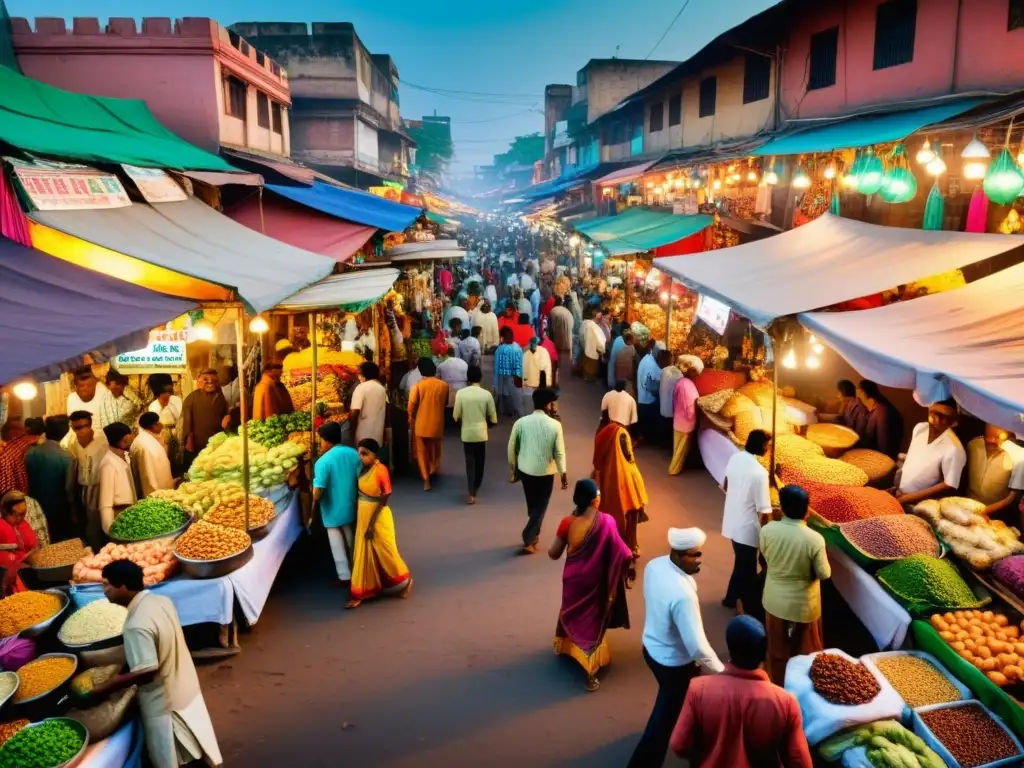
point(757, 78)
point(260, 58)
point(657, 121)
point(276, 113)
point(708, 93)
point(581, 78)
point(235, 101)
point(262, 110)
point(675, 110)
point(895, 23)
point(1016, 19)
point(824, 54)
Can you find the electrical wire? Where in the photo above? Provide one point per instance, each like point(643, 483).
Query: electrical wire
point(468, 93)
point(667, 30)
point(533, 109)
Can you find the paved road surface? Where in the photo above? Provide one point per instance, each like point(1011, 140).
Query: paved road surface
point(463, 673)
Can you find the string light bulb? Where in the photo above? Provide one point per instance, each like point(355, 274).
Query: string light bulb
point(937, 166)
point(813, 362)
point(25, 390)
point(976, 150)
point(926, 153)
point(975, 169)
point(771, 178)
point(830, 171)
point(815, 344)
point(752, 175)
point(716, 184)
point(574, 241)
point(800, 179)
point(259, 324)
point(664, 295)
point(789, 359)
point(203, 330)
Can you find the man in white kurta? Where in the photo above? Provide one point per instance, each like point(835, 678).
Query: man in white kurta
point(151, 467)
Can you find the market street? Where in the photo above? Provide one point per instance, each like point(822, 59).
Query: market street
point(462, 673)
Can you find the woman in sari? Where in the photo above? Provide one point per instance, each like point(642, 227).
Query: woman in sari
point(622, 488)
point(377, 565)
point(593, 600)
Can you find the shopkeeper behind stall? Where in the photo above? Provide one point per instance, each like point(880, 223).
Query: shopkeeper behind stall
point(935, 459)
point(202, 414)
point(995, 470)
point(117, 488)
point(271, 397)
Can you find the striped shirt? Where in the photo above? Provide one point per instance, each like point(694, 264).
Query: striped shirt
point(508, 361)
point(537, 445)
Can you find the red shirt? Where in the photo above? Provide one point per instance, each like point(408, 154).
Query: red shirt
point(521, 335)
point(739, 718)
point(16, 542)
point(549, 345)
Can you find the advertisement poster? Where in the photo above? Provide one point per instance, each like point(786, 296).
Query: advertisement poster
point(69, 187)
point(156, 186)
point(167, 350)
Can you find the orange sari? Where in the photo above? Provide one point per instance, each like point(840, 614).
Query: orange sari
point(623, 495)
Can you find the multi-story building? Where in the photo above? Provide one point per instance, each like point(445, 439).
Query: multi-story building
point(557, 100)
point(345, 106)
point(432, 154)
point(202, 81)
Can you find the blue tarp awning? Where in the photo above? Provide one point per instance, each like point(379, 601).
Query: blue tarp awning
point(52, 313)
point(351, 205)
point(865, 130)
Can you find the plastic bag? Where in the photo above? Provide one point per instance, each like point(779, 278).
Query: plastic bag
point(16, 652)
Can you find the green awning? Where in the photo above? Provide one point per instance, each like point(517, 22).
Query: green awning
point(44, 120)
point(669, 231)
point(437, 218)
point(628, 224)
point(586, 227)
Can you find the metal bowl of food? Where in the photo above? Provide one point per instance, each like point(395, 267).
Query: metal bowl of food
point(71, 549)
point(171, 535)
point(262, 531)
point(53, 574)
point(214, 569)
point(9, 682)
point(38, 629)
point(79, 728)
point(56, 688)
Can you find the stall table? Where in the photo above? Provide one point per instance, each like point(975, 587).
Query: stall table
point(715, 450)
point(886, 620)
point(122, 749)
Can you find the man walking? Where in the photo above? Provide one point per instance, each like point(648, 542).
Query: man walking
point(335, 491)
point(369, 405)
point(674, 641)
point(536, 450)
point(561, 324)
point(474, 410)
point(427, 402)
point(508, 374)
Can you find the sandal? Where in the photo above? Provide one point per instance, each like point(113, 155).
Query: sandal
point(593, 684)
point(353, 604)
point(407, 591)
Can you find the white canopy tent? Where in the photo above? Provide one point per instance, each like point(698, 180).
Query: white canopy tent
point(419, 246)
point(352, 291)
point(966, 343)
point(436, 255)
point(826, 262)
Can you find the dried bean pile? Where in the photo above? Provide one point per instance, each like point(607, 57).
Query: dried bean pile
point(892, 536)
point(824, 471)
point(876, 465)
point(917, 680)
point(62, 553)
point(971, 736)
point(844, 505)
point(841, 681)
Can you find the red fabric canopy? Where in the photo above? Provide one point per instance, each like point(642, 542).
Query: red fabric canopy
point(301, 226)
point(691, 244)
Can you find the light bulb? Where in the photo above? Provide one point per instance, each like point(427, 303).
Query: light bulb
point(650, 185)
point(830, 172)
point(925, 154)
point(574, 241)
point(975, 150)
point(813, 361)
point(800, 179)
point(850, 181)
point(717, 184)
point(664, 295)
point(25, 390)
point(752, 176)
point(975, 169)
point(789, 360)
point(679, 183)
point(937, 166)
point(204, 330)
point(771, 178)
point(259, 324)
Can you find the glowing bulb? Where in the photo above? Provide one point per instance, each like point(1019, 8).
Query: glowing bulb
point(1020, 157)
point(650, 185)
point(975, 150)
point(25, 390)
point(204, 330)
point(608, 191)
point(813, 361)
point(789, 360)
point(574, 241)
point(679, 183)
point(975, 169)
point(937, 166)
point(800, 179)
point(259, 324)
point(717, 184)
point(752, 176)
point(925, 154)
point(830, 172)
point(850, 181)
point(664, 295)
point(771, 178)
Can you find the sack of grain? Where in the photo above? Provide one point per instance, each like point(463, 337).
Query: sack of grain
point(715, 401)
point(82, 684)
point(736, 405)
point(103, 719)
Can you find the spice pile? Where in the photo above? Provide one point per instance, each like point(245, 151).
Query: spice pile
point(972, 536)
point(822, 471)
point(972, 737)
point(99, 620)
point(985, 639)
point(917, 680)
point(841, 681)
point(876, 465)
point(833, 438)
point(9, 729)
point(8, 682)
point(208, 541)
point(148, 519)
point(155, 558)
point(925, 582)
point(844, 505)
point(43, 675)
point(49, 744)
point(232, 513)
point(891, 537)
point(61, 553)
point(26, 609)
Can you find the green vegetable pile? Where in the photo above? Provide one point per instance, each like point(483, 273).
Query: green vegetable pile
point(46, 745)
point(926, 583)
point(275, 430)
point(888, 745)
point(147, 519)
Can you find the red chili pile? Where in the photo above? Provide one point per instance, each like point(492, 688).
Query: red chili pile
point(971, 736)
point(892, 536)
point(839, 504)
point(841, 681)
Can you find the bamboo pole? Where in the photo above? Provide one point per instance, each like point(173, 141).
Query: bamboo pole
point(668, 314)
point(775, 401)
point(312, 403)
point(243, 428)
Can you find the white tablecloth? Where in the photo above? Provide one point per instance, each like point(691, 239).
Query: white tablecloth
point(885, 619)
point(122, 749)
point(715, 449)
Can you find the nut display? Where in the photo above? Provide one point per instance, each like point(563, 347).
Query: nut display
point(970, 734)
point(99, 620)
point(715, 401)
point(232, 513)
point(917, 680)
point(875, 464)
point(62, 553)
point(9, 729)
point(147, 519)
point(986, 639)
point(927, 581)
point(208, 541)
point(26, 609)
point(841, 681)
point(49, 744)
point(42, 675)
point(832, 437)
point(891, 537)
point(196, 498)
point(844, 505)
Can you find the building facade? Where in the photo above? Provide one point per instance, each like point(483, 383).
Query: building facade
point(557, 100)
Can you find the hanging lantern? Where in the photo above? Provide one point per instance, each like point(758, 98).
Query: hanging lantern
point(975, 169)
point(926, 153)
point(771, 178)
point(800, 179)
point(830, 171)
point(977, 211)
point(937, 166)
point(976, 150)
point(934, 208)
point(872, 171)
point(1004, 179)
point(898, 183)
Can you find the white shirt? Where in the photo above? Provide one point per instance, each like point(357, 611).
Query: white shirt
point(621, 407)
point(526, 308)
point(592, 339)
point(88, 458)
point(94, 406)
point(941, 461)
point(533, 364)
point(673, 628)
point(170, 415)
point(489, 336)
point(648, 380)
point(455, 373)
point(409, 380)
point(370, 399)
point(491, 294)
point(117, 489)
point(456, 312)
point(746, 498)
point(669, 377)
point(150, 466)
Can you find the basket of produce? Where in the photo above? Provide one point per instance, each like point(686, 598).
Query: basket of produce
point(98, 625)
point(972, 536)
point(56, 742)
point(834, 505)
point(835, 691)
point(876, 465)
point(147, 520)
point(55, 562)
point(231, 513)
point(30, 614)
point(918, 678)
point(9, 682)
point(43, 677)
point(155, 558)
point(209, 551)
point(834, 439)
point(876, 541)
point(924, 584)
point(966, 735)
point(882, 744)
point(276, 429)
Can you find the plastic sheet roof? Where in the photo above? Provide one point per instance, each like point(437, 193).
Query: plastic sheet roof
point(626, 174)
point(352, 205)
point(966, 343)
point(52, 313)
point(826, 262)
point(193, 239)
point(350, 292)
point(671, 230)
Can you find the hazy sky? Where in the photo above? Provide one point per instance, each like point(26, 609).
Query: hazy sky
point(509, 48)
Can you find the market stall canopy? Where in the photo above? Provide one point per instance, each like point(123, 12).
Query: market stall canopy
point(277, 169)
point(967, 343)
point(421, 245)
point(864, 130)
point(352, 205)
point(52, 313)
point(626, 174)
point(672, 230)
point(45, 120)
point(586, 227)
point(194, 239)
point(303, 227)
point(446, 255)
point(826, 262)
point(626, 224)
point(221, 178)
point(351, 292)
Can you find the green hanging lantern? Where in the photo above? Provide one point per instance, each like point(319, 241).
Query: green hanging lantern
point(1004, 180)
point(833, 204)
point(898, 182)
point(934, 209)
point(871, 174)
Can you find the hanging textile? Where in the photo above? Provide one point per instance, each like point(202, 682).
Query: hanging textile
point(977, 212)
point(12, 221)
point(934, 209)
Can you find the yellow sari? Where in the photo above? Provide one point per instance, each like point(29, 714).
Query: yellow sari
point(377, 564)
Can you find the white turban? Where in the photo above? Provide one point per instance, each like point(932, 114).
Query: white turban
point(686, 362)
point(682, 539)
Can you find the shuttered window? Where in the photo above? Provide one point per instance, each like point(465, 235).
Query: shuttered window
point(1016, 17)
point(824, 54)
point(757, 77)
point(708, 94)
point(262, 110)
point(895, 25)
point(675, 110)
point(657, 121)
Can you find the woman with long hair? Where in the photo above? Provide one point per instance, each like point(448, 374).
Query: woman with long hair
point(622, 487)
point(593, 598)
point(377, 565)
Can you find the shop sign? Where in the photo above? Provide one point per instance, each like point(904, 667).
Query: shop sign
point(166, 349)
point(155, 185)
point(713, 312)
point(69, 187)
point(389, 193)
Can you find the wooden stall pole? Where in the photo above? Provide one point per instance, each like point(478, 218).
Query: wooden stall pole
point(668, 315)
point(312, 404)
point(243, 429)
point(775, 402)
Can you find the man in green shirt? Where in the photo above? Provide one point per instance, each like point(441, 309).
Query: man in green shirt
point(474, 410)
point(796, 563)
